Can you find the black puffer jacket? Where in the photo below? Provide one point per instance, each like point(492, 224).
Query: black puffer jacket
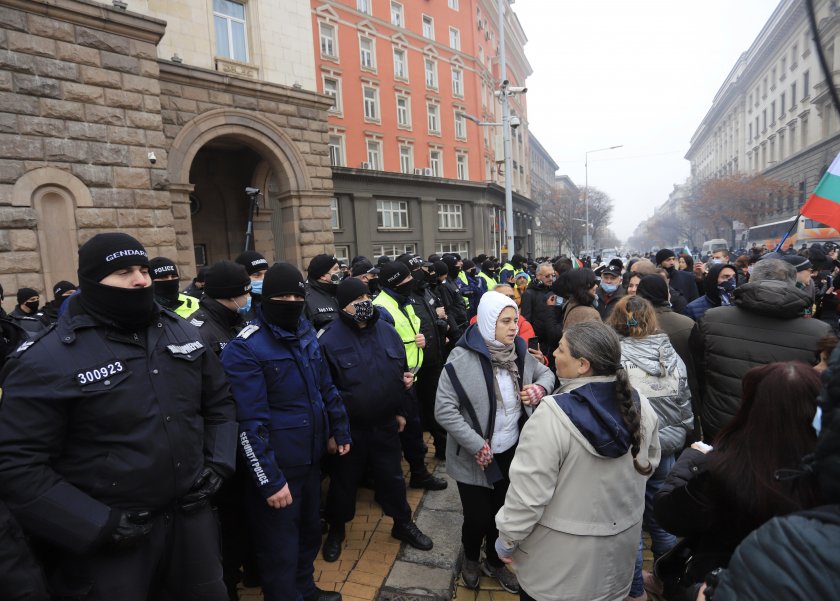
point(216, 323)
point(764, 326)
point(321, 303)
point(542, 315)
point(426, 304)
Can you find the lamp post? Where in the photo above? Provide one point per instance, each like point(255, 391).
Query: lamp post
point(588, 240)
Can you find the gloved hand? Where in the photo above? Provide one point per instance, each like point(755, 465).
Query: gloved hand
point(131, 527)
point(207, 484)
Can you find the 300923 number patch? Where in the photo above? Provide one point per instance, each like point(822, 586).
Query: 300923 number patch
point(99, 373)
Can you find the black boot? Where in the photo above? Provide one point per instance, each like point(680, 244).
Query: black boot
point(332, 545)
point(427, 481)
point(408, 532)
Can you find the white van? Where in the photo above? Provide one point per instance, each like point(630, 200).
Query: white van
point(710, 246)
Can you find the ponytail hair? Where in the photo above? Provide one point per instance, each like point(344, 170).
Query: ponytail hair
point(599, 344)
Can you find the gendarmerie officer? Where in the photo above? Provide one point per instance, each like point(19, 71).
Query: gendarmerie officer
point(322, 278)
point(288, 409)
point(116, 426)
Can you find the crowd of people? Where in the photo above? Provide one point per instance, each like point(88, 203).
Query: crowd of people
point(158, 443)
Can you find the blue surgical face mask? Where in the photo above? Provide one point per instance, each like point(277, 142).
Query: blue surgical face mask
point(817, 423)
point(717, 261)
point(244, 308)
point(256, 286)
point(609, 288)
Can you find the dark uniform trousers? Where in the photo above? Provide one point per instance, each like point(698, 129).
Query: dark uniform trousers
point(180, 555)
point(427, 382)
point(286, 561)
point(377, 447)
point(411, 437)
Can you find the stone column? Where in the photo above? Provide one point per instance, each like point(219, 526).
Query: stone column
point(179, 195)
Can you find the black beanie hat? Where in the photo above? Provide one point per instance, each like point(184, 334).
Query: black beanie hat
point(383, 259)
point(363, 266)
point(104, 254)
point(800, 263)
point(654, 289)
point(161, 266)
point(349, 290)
point(61, 287)
point(282, 278)
point(441, 268)
point(226, 279)
point(665, 253)
point(202, 273)
point(252, 261)
point(319, 265)
point(392, 274)
point(24, 294)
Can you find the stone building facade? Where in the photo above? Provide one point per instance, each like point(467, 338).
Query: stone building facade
point(86, 101)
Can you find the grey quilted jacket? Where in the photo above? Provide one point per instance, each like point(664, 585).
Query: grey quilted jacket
point(657, 372)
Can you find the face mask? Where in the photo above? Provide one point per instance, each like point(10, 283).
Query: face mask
point(364, 311)
point(404, 289)
point(283, 314)
point(128, 309)
point(373, 285)
point(471, 273)
point(32, 306)
point(727, 285)
point(717, 261)
point(609, 288)
point(244, 308)
point(256, 286)
point(336, 278)
point(167, 290)
point(817, 423)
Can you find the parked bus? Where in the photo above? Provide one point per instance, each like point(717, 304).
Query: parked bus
point(807, 232)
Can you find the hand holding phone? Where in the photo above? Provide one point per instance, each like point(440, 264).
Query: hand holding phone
point(534, 343)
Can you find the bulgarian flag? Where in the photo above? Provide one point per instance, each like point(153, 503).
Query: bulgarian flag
point(824, 203)
point(576, 263)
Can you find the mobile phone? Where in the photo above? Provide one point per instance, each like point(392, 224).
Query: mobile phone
point(534, 343)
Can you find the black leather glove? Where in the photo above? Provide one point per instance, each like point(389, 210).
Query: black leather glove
point(131, 527)
point(207, 484)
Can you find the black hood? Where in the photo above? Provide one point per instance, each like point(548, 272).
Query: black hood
point(710, 282)
point(772, 298)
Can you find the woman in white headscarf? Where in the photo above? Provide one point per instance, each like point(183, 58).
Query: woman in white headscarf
point(490, 384)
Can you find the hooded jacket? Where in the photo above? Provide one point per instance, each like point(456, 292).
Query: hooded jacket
point(471, 361)
point(543, 317)
point(698, 307)
point(656, 371)
point(764, 326)
point(574, 513)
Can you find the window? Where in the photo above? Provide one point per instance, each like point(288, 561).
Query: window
point(433, 113)
point(772, 112)
point(457, 83)
point(365, 6)
point(334, 214)
point(229, 21)
point(750, 130)
point(374, 154)
point(431, 73)
point(461, 170)
point(782, 107)
point(332, 87)
point(460, 125)
point(392, 214)
point(428, 27)
point(406, 159)
point(366, 53)
point(397, 15)
point(400, 64)
point(454, 38)
point(394, 250)
point(460, 248)
point(764, 120)
point(436, 163)
point(793, 95)
point(794, 52)
point(403, 111)
point(806, 85)
point(453, 4)
point(371, 96)
point(783, 67)
point(342, 253)
point(764, 87)
point(328, 44)
point(773, 78)
point(481, 55)
point(450, 217)
point(336, 151)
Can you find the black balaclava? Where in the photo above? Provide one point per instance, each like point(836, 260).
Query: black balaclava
point(710, 284)
point(451, 264)
point(127, 309)
point(24, 294)
point(654, 288)
point(282, 279)
point(166, 291)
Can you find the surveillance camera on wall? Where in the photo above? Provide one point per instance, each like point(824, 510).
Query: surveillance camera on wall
point(152, 158)
point(252, 191)
point(515, 122)
point(505, 83)
point(517, 89)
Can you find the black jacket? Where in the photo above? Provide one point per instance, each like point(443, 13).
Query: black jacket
point(94, 419)
point(367, 367)
point(216, 323)
point(542, 316)
point(764, 326)
point(456, 310)
point(425, 303)
point(32, 324)
point(685, 283)
point(321, 303)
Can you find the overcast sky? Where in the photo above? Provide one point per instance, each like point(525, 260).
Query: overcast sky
point(640, 73)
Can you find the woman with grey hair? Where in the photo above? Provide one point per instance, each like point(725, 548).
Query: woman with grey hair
point(572, 518)
point(489, 385)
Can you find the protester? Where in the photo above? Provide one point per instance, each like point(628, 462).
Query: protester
point(680, 280)
point(116, 428)
point(825, 347)
point(719, 285)
point(685, 262)
point(578, 287)
point(563, 529)
point(633, 283)
point(288, 411)
point(536, 308)
point(715, 496)
point(609, 291)
point(488, 384)
point(165, 282)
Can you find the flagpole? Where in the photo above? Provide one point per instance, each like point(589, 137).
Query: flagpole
point(785, 237)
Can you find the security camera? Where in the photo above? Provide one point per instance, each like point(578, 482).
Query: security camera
point(505, 83)
point(515, 122)
point(252, 191)
point(517, 90)
point(152, 158)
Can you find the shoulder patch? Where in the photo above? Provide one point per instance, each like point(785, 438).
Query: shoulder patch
point(248, 330)
point(24, 346)
point(196, 322)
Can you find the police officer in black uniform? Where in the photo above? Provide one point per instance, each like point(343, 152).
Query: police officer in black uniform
point(61, 291)
point(27, 314)
point(256, 265)
point(116, 427)
point(322, 278)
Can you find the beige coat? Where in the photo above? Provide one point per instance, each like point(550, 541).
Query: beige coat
point(574, 515)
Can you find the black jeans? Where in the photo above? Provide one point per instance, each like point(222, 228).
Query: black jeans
point(523, 596)
point(479, 506)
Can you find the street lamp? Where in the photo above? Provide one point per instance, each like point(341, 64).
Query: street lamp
point(588, 241)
